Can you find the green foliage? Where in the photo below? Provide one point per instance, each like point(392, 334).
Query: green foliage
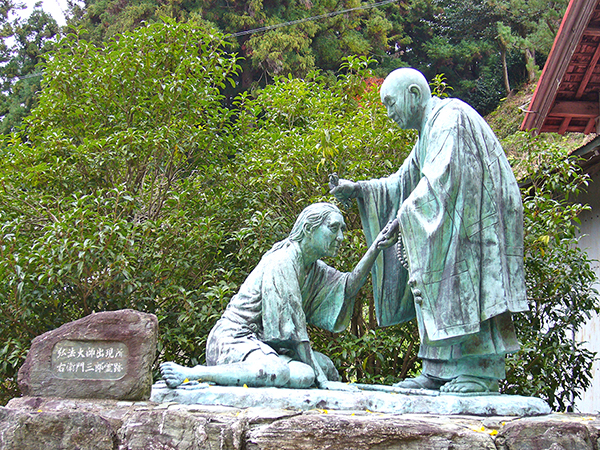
point(296, 49)
point(484, 47)
point(107, 199)
point(19, 76)
point(458, 38)
point(283, 52)
point(375, 355)
point(439, 86)
point(551, 364)
point(296, 132)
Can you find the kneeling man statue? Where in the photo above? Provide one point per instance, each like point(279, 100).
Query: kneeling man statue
point(262, 339)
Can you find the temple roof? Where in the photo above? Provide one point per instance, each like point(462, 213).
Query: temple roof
point(567, 97)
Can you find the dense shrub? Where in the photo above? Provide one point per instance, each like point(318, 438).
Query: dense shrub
point(551, 363)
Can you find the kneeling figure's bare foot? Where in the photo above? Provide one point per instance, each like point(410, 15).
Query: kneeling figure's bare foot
point(173, 374)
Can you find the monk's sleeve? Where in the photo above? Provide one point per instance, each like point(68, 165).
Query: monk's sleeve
point(380, 202)
point(436, 220)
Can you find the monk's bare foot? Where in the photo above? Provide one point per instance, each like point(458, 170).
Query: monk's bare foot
point(174, 374)
point(422, 381)
point(467, 384)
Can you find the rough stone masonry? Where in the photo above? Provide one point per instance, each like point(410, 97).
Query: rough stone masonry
point(44, 423)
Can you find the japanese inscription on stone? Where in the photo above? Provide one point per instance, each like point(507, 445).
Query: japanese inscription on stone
point(89, 360)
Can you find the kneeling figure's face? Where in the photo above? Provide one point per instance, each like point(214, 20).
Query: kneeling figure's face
point(328, 236)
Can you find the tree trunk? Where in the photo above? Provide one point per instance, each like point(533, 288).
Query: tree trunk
point(530, 64)
point(505, 71)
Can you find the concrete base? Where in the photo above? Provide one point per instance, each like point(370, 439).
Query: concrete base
point(424, 402)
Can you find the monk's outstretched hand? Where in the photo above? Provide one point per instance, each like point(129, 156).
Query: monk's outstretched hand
point(343, 190)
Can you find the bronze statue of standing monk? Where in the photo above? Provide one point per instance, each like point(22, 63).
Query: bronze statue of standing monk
point(461, 228)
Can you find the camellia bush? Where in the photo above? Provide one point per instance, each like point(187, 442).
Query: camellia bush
point(133, 185)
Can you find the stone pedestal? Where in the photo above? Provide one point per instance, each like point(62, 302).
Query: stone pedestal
point(417, 402)
point(50, 424)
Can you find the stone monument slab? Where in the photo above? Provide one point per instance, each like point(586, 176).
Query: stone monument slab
point(104, 355)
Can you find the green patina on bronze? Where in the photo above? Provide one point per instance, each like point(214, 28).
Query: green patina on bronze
point(458, 208)
point(461, 222)
point(261, 339)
